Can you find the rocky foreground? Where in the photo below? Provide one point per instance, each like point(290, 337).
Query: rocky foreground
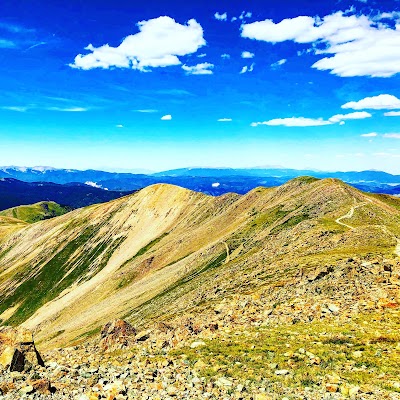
point(301, 341)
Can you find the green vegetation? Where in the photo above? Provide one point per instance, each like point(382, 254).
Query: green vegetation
point(36, 212)
point(61, 271)
point(290, 223)
point(359, 352)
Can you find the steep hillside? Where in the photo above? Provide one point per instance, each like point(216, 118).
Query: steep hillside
point(36, 212)
point(165, 252)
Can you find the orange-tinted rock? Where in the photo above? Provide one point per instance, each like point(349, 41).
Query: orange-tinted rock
point(117, 334)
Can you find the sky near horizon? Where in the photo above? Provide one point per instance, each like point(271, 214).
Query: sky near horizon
point(160, 85)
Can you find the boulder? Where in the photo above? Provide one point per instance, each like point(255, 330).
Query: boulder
point(117, 334)
point(17, 349)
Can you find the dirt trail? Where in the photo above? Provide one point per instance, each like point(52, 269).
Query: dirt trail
point(351, 213)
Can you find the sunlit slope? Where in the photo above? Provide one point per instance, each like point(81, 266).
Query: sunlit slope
point(35, 212)
point(165, 250)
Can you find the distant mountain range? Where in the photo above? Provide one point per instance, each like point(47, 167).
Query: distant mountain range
point(15, 193)
point(212, 181)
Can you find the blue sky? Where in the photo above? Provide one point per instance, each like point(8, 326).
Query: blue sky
point(160, 85)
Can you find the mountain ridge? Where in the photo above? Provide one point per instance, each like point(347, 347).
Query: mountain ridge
point(128, 256)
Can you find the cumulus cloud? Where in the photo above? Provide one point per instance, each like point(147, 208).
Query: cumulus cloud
point(166, 118)
point(369, 135)
point(225, 120)
point(381, 102)
point(392, 135)
point(247, 54)
point(225, 55)
point(246, 69)
point(352, 45)
point(119, 126)
point(392, 114)
point(354, 115)
point(159, 43)
point(294, 121)
point(221, 17)
point(199, 69)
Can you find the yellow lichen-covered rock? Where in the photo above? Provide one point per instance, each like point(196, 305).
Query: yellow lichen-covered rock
point(17, 349)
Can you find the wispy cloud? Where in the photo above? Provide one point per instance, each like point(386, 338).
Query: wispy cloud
point(278, 63)
point(381, 102)
point(7, 44)
point(392, 114)
point(146, 111)
point(225, 120)
point(175, 92)
point(226, 56)
point(14, 28)
point(391, 135)
point(247, 69)
point(293, 122)
point(15, 108)
point(36, 107)
point(67, 109)
point(354, 115)
point(369, 135)
point(199, 69)
point(120, 126)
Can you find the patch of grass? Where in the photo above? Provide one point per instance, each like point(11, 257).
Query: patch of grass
point(290, 223)
point(57, 274)
point(355, 350)
point(36, 212)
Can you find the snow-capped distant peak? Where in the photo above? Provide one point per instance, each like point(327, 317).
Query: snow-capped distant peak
point(42, 169)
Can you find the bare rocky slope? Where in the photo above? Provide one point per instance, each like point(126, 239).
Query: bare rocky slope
point(291, 256)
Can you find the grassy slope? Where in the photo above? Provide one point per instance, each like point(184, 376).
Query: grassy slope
point(35, 212)
point(162, 251)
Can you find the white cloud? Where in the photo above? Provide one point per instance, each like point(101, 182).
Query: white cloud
point(303, 122)
point(216, 184)
point(392, 135)
point(247, 69)
point(279, 63)
point(369, 135)
point(294, 121)
point(381, 102)
point(67, 109)
point(35, 107)
point(221, 17)
point(392, 114)
point(202, 55)
point(159, 43)
point(199, 69)
point(354, 115)
point(146, 111)
point(93, 184)
point(247, 54)
point(15, 108)
point(353, 45)
point(166, 118)
point(225, 120)
point(225, 55)
point(119, 126)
